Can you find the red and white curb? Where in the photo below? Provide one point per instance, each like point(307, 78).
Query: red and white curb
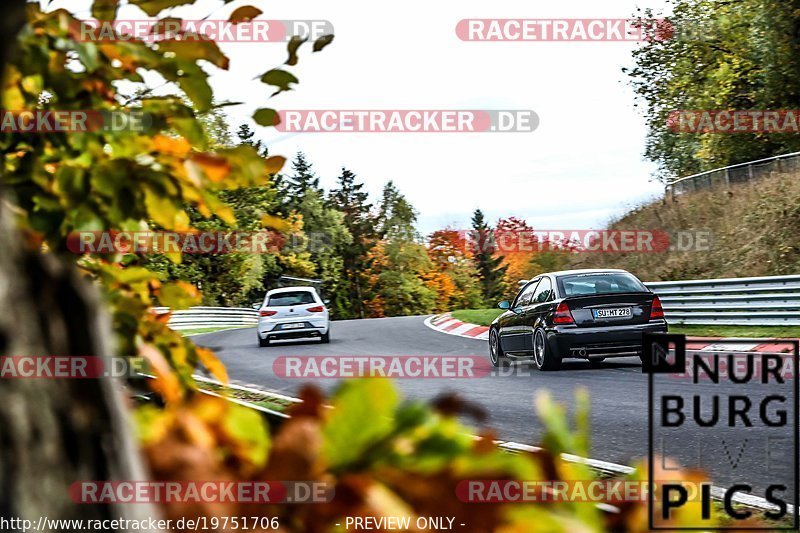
point(445, 323)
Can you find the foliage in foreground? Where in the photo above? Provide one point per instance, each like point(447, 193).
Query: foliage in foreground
point(167, 175)
point(382, 457)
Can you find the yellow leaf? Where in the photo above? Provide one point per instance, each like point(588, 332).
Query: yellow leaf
point(179, 147)
point(179, 295)
point(212, 363)
point(215, 168)
point(197, 431)
point(166, 382)
point(244, 14)
point(270, 221)
point(275, 164)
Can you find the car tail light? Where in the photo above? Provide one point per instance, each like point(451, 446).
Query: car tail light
point(267, 313)
point(656, 311)
point(315, 309)
point(563, 315)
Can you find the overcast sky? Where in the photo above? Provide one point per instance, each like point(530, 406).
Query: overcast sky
point(581, 166)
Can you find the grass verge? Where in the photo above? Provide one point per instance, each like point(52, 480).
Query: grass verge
point(261, 400)
point(484, 317)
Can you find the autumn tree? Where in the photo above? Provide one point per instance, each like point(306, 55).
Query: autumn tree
point(454, 275)
point(515, 243)
point(712, 55)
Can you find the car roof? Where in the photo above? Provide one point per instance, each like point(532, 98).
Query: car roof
point(291, 289)
point(585, 271)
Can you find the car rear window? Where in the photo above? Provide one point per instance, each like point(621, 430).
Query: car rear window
point(599, 283)
point(283, 299)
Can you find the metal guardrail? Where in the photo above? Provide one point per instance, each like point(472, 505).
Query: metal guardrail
point(734, 174)
point(210, 317)
point(763, 301)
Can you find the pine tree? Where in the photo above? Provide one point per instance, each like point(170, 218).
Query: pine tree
point(352, 202)
point(301, 181)
point(396, 216)
point(246, 135)
point(490, 268)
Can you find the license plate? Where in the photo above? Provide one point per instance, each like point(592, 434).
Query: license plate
point(292, 326)
point(612, 313)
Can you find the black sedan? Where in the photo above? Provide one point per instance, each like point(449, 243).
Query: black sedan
point(584, 314)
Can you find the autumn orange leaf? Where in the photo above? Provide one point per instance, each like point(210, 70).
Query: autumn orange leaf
point(178, 147)
point(215, 168)
point(275, 164)
point(277, 223)
point(166, 383)
point(212, 363)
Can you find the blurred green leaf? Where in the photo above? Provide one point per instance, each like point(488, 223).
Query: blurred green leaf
point(279, 78)
point(194, 50)
point(267, 117)
point(292, 47)
point(246, 428)
point(179, 295)
point(322, 42)
point(105, 9)
point(362, 414)
point(244, 13)
point(154, 7)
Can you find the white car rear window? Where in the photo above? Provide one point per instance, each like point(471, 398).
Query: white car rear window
point(284, 299)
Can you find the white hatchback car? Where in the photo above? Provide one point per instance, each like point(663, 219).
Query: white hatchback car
point(291, 313)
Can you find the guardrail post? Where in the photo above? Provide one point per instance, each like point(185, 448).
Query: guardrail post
point(727, 179)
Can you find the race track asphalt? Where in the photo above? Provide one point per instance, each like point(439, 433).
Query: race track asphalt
point(618, 390)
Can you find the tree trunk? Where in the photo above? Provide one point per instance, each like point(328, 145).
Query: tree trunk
point(54, 432)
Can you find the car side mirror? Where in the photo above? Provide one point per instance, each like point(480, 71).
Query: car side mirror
point(326, 302)
point(256, 306)
point(505, 304)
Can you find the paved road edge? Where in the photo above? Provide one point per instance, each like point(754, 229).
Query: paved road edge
point(445, 323)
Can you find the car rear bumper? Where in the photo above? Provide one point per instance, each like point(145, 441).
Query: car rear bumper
point(312, 327)
point(610, 341)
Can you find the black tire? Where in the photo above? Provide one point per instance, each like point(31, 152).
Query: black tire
point(543, 357)
point(263, 343)
point(496, 355)
point(326, 338)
